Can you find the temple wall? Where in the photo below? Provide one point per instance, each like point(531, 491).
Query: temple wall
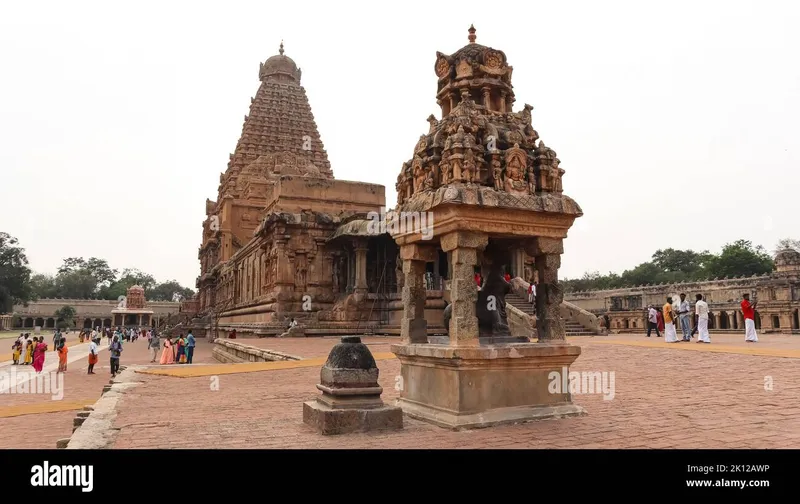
point(778, 299)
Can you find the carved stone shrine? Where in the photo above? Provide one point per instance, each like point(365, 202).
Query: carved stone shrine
point(492, 193)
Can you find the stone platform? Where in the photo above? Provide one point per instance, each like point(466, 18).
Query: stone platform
point(468, 387)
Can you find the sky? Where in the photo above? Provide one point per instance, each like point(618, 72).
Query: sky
point(677, 122)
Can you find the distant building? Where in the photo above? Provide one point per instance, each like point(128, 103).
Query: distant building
point(778, 296)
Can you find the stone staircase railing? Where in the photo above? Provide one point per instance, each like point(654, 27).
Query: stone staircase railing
point(569, 312)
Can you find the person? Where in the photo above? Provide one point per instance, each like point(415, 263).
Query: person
point(652, 321)
point(531, 293)
point(507, 277)
point(180, 354)
point(62, 356)
point(155, 346)
point(660, 319)
point(29, 346)
point(93, 354)
point(56, 339)
point(684, 313)
point(190, 342)
point(39, 354)
point(166, 355)
point(17, 349)
point(670, 335)
point(232, 334)
point(116, 351)
point(292, 323)
point(701, 310)
point(749, 314)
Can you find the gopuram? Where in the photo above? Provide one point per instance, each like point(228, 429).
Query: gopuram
point(494, 191)
point(285, 239)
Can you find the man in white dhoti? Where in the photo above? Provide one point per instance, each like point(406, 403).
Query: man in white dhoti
point(670, 335)
point(701, 310)
point(749, 314)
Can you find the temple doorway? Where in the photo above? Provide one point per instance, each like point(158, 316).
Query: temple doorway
point(796, 320)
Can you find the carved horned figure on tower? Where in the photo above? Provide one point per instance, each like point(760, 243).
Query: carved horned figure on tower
point(549, 172)
point(516, 168)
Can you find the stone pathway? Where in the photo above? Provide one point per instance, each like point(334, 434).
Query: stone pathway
point(664, 398)
point(37, 421)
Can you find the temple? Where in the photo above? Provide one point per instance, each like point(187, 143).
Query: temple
point(285, 239)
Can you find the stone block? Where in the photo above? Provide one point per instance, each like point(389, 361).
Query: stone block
point(62, 443)
point(331, 421)
point(469, 387)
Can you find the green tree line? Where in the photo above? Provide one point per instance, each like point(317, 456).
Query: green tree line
point(740, 258)
point(77, 278)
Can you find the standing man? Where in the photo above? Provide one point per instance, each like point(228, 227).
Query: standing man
point(93, 355)
point(652, 321)
point(684, 312)
point(189, 347)
point(749, 314)
point(701, 310)
point(670, 335)
point(155, 346)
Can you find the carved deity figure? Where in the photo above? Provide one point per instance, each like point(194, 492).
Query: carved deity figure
point(497, 173)
point(455, 166)
point(444, 168)
point(469, 169)
point(516, 168)
point(428, 182)
point(531, 180)
point(400, 188)
point(548, 167)
point(419, 177)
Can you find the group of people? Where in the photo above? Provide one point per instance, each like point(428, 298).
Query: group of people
point(27, 351)
point(664, 319)
point(179, 351)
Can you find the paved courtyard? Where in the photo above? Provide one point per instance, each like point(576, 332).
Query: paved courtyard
point(725, 395)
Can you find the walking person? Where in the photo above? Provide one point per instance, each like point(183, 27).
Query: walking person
point(166, 354)
point(670, 335)
point(93, 355)
point(116, 350)
point(39, 353)
point(155, 347)
point(684, 314)
point(749, 314)
point(652, 322)
point(189, 347)
point(702, 312)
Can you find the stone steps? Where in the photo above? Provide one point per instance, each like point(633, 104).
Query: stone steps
point(571, 328)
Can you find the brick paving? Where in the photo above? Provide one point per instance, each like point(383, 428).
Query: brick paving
point(664, 398)
point(20, 429)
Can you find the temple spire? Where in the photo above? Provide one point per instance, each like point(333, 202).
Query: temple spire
point(471, 34)
point(281, 48)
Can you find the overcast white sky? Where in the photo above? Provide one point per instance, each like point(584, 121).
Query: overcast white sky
point(677, 122)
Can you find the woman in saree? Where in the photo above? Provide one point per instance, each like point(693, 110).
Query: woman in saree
point(166, 354)
point(62, 357)
point(29, 346)
point(38, 355)
point(181, 357)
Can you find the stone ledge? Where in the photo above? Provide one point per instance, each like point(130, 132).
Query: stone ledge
point(230, 351)
point(96, 431)
point(491, 352)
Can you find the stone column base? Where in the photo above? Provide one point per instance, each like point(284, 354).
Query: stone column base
point(331, 421)
point(470, 387)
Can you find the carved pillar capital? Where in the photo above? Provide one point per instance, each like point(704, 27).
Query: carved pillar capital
point(464, 239)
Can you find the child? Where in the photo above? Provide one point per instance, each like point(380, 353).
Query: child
point(17, 348)
point(62, 357)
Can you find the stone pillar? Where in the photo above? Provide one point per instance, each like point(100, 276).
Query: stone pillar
point(487, 98)
point(413, 326)
point(739, 320)
point(717, 320)
point(502, 102)
point(786, 322)
point(730, 321)
point(549, 294)
point(360, 247)
point(464, 248)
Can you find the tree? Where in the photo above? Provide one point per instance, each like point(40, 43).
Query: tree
point(44, 286)
point(170, 291)
point(15, 275)
point(788, 243)
point(77, 284)
point(741, 258)
point(66, 314)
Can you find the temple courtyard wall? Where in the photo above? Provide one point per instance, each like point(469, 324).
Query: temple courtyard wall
point(778, 303)
point(94, 312)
